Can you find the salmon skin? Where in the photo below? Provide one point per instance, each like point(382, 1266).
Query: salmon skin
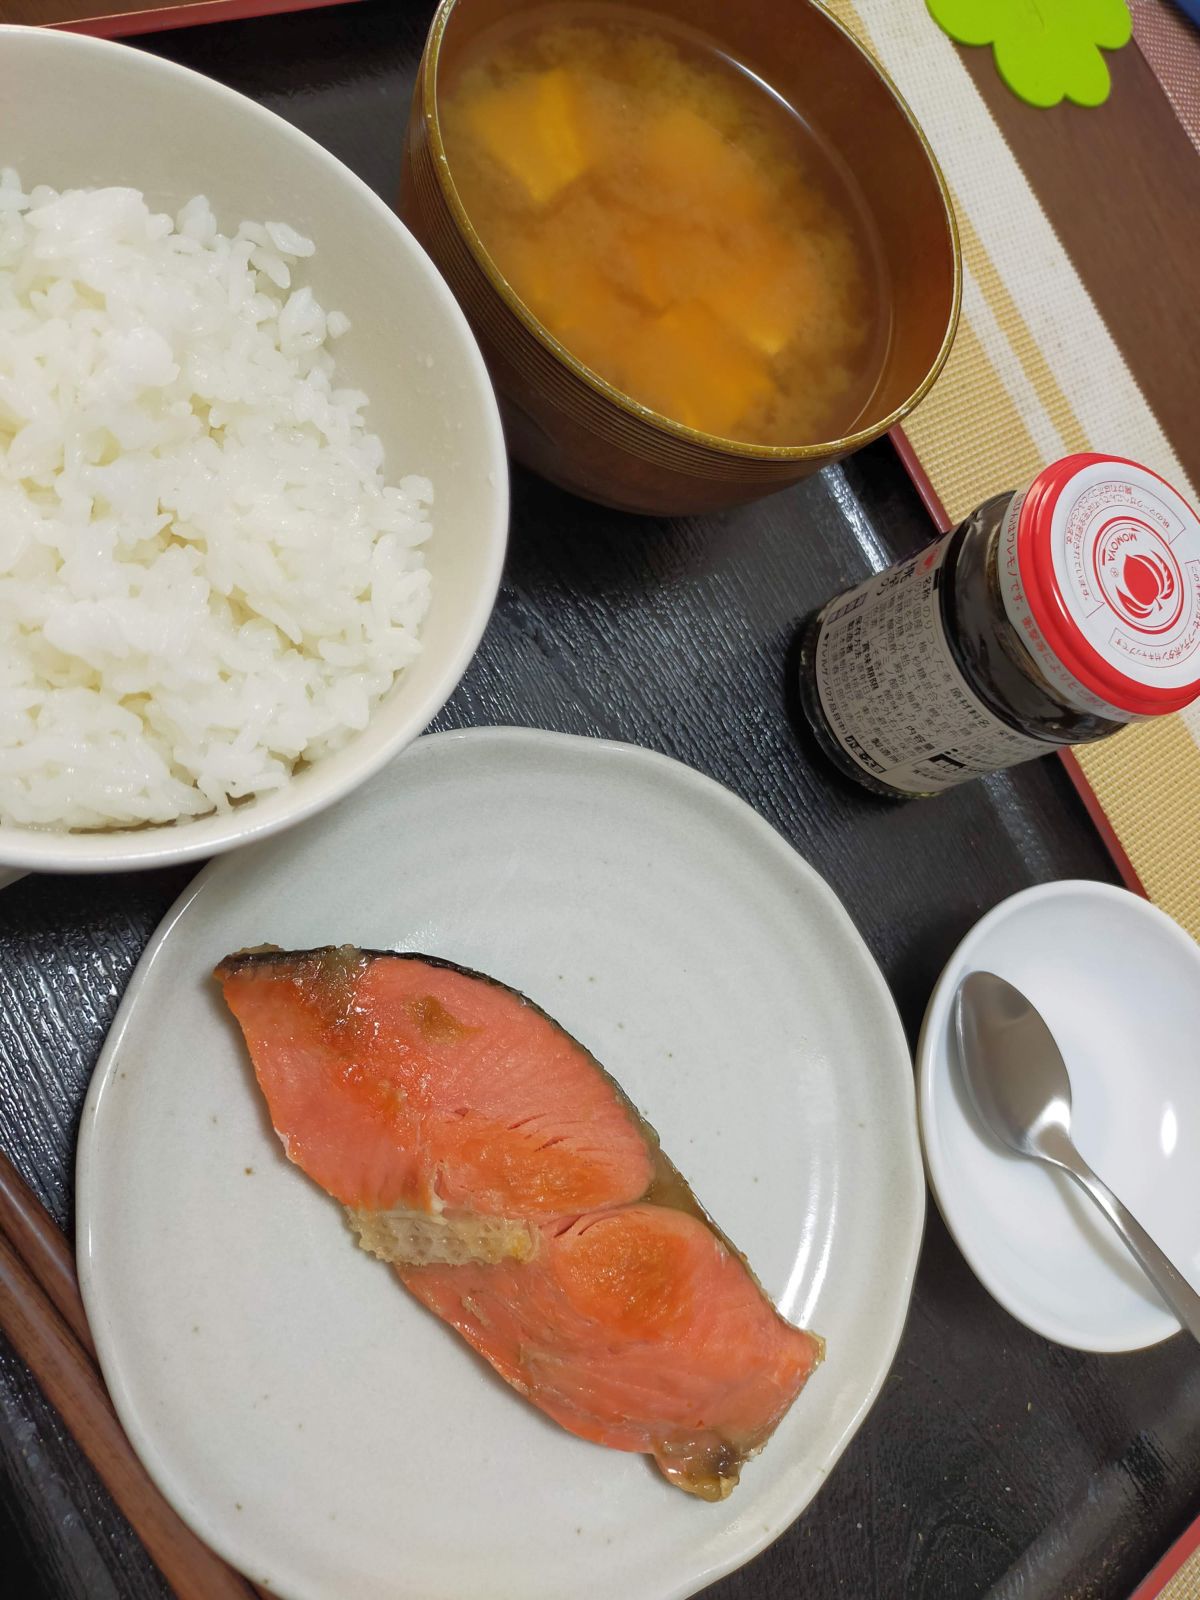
point(485, 1154)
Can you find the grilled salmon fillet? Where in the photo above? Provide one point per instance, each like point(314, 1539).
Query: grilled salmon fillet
point(487, 1155)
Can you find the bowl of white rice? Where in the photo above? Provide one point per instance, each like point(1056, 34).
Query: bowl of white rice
point(253, 489)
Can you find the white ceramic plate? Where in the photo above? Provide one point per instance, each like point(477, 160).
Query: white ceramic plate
point(1119, 985)
point(308, 1419)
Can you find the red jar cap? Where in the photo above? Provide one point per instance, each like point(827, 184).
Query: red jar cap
point(1100, 569)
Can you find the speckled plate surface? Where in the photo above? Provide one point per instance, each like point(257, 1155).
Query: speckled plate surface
point(324, 1433)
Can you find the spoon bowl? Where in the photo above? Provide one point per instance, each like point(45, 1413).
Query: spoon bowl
point(1014, 1071)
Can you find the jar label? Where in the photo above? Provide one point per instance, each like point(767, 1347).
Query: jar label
point(892, 694)
point(1126, 559)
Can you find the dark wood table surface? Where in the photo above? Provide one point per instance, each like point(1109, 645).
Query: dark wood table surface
point(994, 1464)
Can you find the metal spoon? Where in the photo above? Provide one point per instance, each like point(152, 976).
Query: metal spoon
point(1018, 1080)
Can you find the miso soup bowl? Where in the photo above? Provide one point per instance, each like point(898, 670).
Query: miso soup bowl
point(564, 420)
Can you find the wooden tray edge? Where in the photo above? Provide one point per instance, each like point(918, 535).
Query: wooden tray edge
point(122, 23)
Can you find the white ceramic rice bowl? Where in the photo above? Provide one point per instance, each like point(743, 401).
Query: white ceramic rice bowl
point(86, 112)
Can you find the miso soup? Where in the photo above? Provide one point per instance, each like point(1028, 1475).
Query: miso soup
point(671, 221)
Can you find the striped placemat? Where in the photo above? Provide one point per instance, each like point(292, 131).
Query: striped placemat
point(1183, 1585)
point(1177, 1575)
point(1170, 44)
point(1081, 234)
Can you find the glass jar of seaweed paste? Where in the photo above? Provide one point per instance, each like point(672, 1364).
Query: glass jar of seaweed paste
point(1049, 617)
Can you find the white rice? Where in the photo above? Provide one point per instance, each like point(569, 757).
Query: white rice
point(204, 576)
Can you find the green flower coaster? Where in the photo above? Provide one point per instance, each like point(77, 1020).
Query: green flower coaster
point(1046, 50)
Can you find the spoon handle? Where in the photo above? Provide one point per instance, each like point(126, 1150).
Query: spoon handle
point(1166, 1278)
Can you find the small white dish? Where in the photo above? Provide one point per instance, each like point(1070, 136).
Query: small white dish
point(1119, 985)
point(79, 112)
point(310, 1421)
